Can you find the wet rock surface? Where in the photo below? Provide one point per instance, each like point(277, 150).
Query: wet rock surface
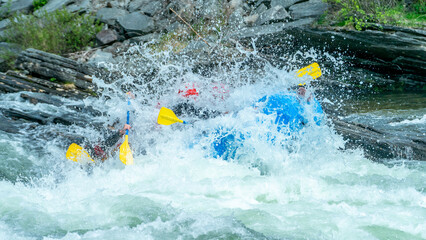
point(379, 145)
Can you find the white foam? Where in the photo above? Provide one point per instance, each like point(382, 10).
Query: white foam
point(416, 121)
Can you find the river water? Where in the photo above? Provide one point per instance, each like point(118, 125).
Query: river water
point(306, 187)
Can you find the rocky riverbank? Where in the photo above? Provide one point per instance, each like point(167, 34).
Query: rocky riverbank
point(382, 56)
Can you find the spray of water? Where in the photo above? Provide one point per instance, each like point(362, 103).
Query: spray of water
point(299, 186)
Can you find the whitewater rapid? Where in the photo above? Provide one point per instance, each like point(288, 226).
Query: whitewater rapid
point(308, 188)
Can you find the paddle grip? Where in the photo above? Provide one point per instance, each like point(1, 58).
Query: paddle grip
point(128, 116)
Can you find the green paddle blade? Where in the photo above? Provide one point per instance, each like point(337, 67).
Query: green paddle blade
point(167, 117)
point(126, 155)
point(78, 154)
point(312, 70)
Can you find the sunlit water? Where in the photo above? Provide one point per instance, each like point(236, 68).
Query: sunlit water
point(302, 186)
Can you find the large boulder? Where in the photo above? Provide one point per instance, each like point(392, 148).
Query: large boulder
point(236, 18)
point(48, 66)
point(274, 14)
point(148, 7)
point(268, 31)
point(4, 24)
point(136, 5)
point(284, 3)
point(209, 9)
point(136, 23)
point(83, 7)
point(24, 6)
point(151, 8)
point(398, 53)
point(53, 5)
point(101, 59)
point(260, 9)
point(110, 15)
point(106, 36)
point(312, 8)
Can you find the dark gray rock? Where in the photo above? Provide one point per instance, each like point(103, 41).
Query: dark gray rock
point(8, 9)
point(259, 10)
point(84, 7)
point(136, 23)
point(172, 27)
point(121, 4)
point(379, 145)
point(42, 117)
point(250, 32)
point(236, 18)
point(53, 5)
point(15, 82)
point(7, 125)
point(49, 66)
point(209, 9)
point(4, 23)
point(284, 3)
point(162, 24)
point(36, 98)
point(106, 36)
point(151, 8)
point(260, 2)
point(101, 59)
point(397, 54)
point(274, 14)
point(311, 8)
point(110, 15)
point(253, 32)
point(145, 38)
point(136, 5)
point(246, 7)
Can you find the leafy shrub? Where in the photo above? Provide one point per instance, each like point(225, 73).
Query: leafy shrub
point(360, 13)
point(57, 32)
point(39, 4)
point(5, 9)
point(9, 58)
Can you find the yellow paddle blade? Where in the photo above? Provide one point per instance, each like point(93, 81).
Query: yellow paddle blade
point(167, 117)
point(78, 154)
point(312, 70)
point(126, 155)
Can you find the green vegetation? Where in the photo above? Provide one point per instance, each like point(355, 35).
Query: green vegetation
point(9, 58)
point(39, 4)
point(5, 8)
point(361, 14)
point(57, 32)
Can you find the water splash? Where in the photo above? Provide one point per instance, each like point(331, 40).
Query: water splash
point(303, 186)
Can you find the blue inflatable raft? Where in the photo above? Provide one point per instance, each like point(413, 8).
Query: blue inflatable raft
point(290, 113)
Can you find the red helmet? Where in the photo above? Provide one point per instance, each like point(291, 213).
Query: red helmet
point(188, 91)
